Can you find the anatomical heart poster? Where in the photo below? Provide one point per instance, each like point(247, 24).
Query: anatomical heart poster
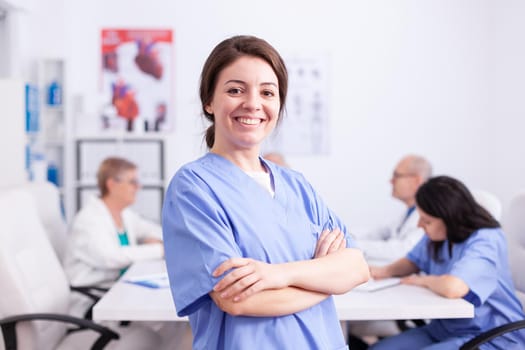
point(137, 68)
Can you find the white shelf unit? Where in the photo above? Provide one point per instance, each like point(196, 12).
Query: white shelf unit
point(51, 136)
point(148, 153)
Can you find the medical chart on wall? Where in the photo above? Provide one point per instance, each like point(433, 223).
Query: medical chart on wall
point(136, 80)
point(305, 127)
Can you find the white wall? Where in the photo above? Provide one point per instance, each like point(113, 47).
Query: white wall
point(439, 78)
point(31, 30)
point(13, 138)
point(505, 142)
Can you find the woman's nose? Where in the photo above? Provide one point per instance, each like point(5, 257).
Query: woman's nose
point(252, 101)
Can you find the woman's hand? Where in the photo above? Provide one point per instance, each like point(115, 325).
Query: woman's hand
point(379, 272)
point(329, 242)
point(399, 268)
point(445, 285)
point(415, 280)
point(247, 277)
point(151, 240)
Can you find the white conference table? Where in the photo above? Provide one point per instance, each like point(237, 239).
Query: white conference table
point(131, 302)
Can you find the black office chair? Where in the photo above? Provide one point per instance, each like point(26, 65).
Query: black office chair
point(49, 207)
point(474, 343)
point(35, 290)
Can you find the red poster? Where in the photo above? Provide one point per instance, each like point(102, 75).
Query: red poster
point(137, 79)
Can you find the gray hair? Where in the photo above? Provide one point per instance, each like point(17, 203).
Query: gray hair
point(420, 166)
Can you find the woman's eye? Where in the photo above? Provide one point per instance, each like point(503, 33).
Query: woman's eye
point(234, 91)
point(268, 93)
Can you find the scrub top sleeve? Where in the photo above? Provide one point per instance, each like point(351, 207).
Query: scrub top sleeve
point(197, 239)
point(350, 241)
point(477, 266)
point(420, 255)
point(327, 219)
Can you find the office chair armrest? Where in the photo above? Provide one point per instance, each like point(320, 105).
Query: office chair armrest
point(89, 292)
point(8, 325)
point(475, 342)
point(92, 292)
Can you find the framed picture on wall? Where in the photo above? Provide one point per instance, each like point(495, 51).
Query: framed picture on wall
point(305, 129)
point(137, 67)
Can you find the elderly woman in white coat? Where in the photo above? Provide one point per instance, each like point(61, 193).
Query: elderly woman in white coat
point(106, 235)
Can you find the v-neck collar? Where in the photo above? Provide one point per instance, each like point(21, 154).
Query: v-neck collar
point(224, 164)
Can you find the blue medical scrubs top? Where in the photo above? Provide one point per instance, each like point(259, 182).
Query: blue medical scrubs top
point(482, 263)
point(214, 211)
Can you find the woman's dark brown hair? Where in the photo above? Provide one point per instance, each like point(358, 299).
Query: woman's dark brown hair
point(449, 199)
point(227, 52)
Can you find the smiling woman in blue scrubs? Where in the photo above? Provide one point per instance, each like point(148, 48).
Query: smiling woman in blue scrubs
point(464, 255)
point(253, 253)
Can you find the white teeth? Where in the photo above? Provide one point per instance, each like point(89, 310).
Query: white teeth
point(249, 121)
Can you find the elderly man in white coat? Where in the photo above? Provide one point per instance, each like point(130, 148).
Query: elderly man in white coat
point(393, 241)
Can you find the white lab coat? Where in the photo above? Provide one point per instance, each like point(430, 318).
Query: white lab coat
point(388, 244)
point(94, 255)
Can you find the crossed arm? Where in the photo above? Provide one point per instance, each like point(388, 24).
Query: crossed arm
point(255, 288)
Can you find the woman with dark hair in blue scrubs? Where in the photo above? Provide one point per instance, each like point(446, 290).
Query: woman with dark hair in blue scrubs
point(463, 255)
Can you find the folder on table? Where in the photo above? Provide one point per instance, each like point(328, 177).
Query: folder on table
point(157, 280)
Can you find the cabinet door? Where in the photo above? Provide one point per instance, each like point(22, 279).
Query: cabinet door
point(148, 203)
point(148, 155)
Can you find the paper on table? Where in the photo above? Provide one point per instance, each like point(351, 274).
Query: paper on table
point(372, 285)
point(157, 280)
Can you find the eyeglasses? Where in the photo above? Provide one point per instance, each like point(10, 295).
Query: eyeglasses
point(133, 182)
point(396, 175)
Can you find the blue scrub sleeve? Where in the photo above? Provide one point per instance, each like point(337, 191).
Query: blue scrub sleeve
point(334, 222)
point(420, 254)
point(350, 242)
point(326, 218)
point(477, 267)
point(197, 239)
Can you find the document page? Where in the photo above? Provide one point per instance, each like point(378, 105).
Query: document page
point(372, 285)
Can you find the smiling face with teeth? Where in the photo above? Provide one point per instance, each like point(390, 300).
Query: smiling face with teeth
point(245, 105)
